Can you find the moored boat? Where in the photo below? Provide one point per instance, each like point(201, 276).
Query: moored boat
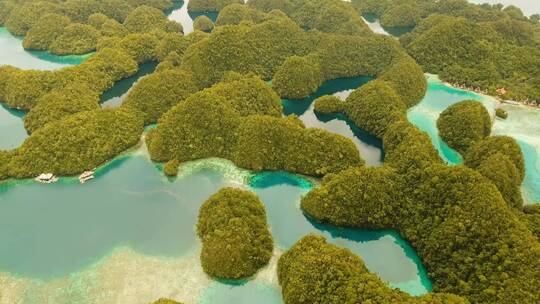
point(46, 178)
point(86, 176)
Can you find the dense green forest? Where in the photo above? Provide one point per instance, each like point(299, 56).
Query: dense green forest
point(240, 119)
point(464, 123)
point(488, 47)
point(216, 93)
point(75, 144)
point(313, 271)
point(236, 239)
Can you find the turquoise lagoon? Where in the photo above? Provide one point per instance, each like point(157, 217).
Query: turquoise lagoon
point(13, 54)
point(523, 124)
point(65, 233)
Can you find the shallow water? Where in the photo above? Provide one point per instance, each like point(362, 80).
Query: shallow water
point(523, 124)
point(439, 97)
point(12, 131)
point(374, 24)
point(180, 14)
point(56, 230)
point(369, 146)
point(14, 54)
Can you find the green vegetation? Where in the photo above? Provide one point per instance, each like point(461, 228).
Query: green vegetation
point(482, 46)
point(203, 23)
point(155, 94)
point(165, 301)
point(53, 106)
point(505, 145)
point(298, 77)
point(236, 239)
point(145, 19)
point(531, 217)
point(471, 243)
point(223, 121)
point(171, 167)
point(24, 16)
point(23, 89)
point(77, 143)
point(236, 13)
point(499, 159)
point(403, 15)
point(407, 79)
point(175, 42)
point(375, 106)
point(463, 124)
point(205, 6)
point(331, 16)
point(329, 104)
point(45, 32)
point(356, 196)
point(500, 170)
point(76, 39)
point(501, 113)
point(112, 28)
point(97, 20)
point(488, 55)
point(313, 271)
point(268, 143)
point(259, 48)
point(408, 149)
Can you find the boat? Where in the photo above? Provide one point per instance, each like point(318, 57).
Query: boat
point(46, 178)
point(86, 176)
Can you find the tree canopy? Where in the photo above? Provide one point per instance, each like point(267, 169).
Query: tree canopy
point(464, 123)
point(235, 236)
point(313, 271)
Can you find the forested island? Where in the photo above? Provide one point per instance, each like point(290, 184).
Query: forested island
point(217, 93)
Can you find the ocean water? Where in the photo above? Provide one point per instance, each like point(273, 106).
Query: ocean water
point(523, 124)
point(65, 232)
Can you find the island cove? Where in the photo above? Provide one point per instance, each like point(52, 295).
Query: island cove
point(160, 227)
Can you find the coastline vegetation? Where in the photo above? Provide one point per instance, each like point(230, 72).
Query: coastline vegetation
point(492, 48)
point(235, 236)
point(463, 124)
point(210, 98)
point(313, 271)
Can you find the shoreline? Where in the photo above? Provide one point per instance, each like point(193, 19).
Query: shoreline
point(499, 99)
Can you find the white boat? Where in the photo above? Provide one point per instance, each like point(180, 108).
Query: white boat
point(46, 178)
point(86, 176)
